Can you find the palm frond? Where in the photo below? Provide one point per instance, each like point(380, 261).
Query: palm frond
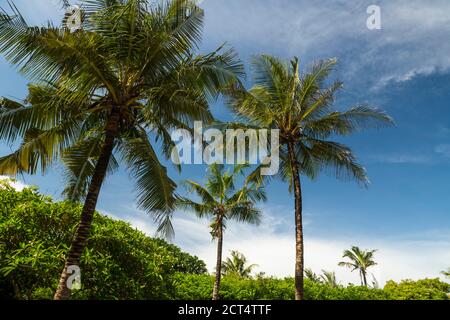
point(79, 161)
point(40, 148)
point(155, 190)
point(338, 160)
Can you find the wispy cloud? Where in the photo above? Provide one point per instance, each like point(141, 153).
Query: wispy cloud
point(399, 158)
point(443, 149)
point(400, 51)
point(439, 155)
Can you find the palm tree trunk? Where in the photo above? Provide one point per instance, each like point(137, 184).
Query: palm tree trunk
point(219, 262)
point(80, 238)
point(364, 278)
point(299, 247)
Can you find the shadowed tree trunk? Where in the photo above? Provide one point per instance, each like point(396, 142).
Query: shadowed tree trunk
point(364, 278)
point(80, 238)
point(299, 252)
point(219, 260)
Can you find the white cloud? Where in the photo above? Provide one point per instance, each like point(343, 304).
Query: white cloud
point(271, 246)
point(19, 186)
point(400, 51)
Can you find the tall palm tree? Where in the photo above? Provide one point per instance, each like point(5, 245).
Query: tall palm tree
point(446, 273)
point(359, 260)
point(329, 278)
point(221, 201)
point(104, 91)
point(300, 106)
point(237, 265)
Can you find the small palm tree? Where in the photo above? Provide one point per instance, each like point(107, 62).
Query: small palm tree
point(329, 278)
point(129, 76)
point(359, 260)
point(237, 265)
point(222, 201)
point(300, 106)
point(311, 275)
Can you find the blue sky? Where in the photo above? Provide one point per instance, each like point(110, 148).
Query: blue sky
point(403, 68)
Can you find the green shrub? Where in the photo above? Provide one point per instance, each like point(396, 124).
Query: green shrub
point(234, 288)
point(426, 289)
point(319, 291)
point(119, 262)
point(194, 287)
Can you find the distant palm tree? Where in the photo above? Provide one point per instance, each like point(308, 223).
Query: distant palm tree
point(329, 278)
point(359, 260)
point(129, 76)
point(446, 273)
point(237, 265)
point(221, 201)
point(309, 274)
point(300, 106)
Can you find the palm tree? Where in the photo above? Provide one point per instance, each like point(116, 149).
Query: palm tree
point(300, 105)
point(105, 91)
point(359, 260)
point(446, 273)
point(329, 278)
point(237, 265)
point(312, 276)
point(220, 201)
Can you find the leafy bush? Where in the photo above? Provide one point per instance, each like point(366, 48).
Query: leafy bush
point(234, 288)
point(426, 289)
point(119, 262)
point(319, 291)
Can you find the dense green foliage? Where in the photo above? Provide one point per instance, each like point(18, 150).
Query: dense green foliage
point(198, 287)
point(123, 263)
point(426, 289)
point(234, 288)
point(119, 263)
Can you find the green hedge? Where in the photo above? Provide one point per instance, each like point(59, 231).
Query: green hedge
point(199, 287)
point(426, 289)
point(232, 288)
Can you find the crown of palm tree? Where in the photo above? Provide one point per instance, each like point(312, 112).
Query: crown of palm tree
point(300, 105)
point(132, 59)
point(329, 278)
point(221, 201)
point(311, 275)
point(237, 265)
point(359, 260)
